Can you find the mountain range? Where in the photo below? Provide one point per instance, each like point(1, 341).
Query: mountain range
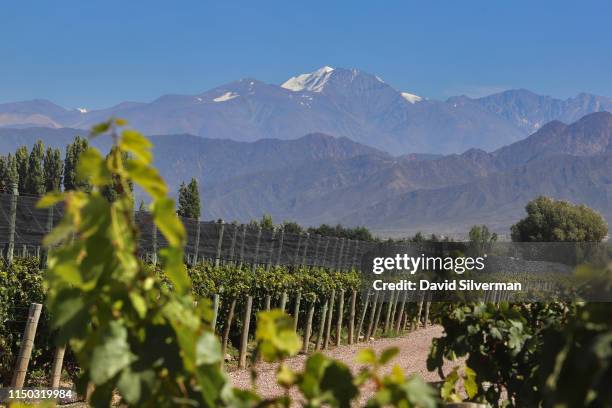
point(320, 178)
point(336, 101)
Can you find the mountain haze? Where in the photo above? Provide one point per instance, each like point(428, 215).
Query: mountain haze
point(335, 101)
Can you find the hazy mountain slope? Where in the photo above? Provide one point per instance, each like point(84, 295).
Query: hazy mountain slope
point(325, 190)
point(590, 135)
point(180, 157)
point(11, 138)
point(497, 200)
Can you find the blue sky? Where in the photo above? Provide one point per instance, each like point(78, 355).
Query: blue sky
point(97, 53)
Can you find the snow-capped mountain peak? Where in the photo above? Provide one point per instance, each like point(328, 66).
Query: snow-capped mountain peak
point(314, 81)
point(412, 98)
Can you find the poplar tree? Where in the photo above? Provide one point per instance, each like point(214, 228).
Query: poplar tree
point(53, 168)
point(21, 162)
point(73, 153)
point(3, 174)
point(35, 178)
point(189, 200)
point(12, 172)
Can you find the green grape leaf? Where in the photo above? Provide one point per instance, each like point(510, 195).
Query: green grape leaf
point(208, 349)
point(111, 355)
point(135, 143)
point(387, 355)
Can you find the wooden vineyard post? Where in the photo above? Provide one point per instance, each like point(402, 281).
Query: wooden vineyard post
point(363, 315)
point(297, 250)
point(356, 255)
point(325, 251)
point(389, 310)
point(321, 326)
point(269, 263)
point(308, 331)
point(244, 229)
point(408, 321)
point(45, 254)
point(228, 326)
point(296, 310)
point(347, 261)
point(56, 368)
point(340, 316)
point(268, 301)
point(400, 315)
point(283, 301)
point(233, 246)
point(303, 263)
point(12, 225)
point(215, 311)
point(339, 263)
point(317, 262)
point(256, 258)
point(394, 311)
point(351, 328)
point(280, 246)
point(427, 305)
point(418, 319)
point(372, 316)
point(330, 315)
point(245, 333)
point(334, 258)
point(196, 244)
point(219, 243)
point(377, 319)
point(27, 344)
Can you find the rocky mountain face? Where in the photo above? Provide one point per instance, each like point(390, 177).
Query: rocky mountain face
point(445, 195)
point(319, 178)
point(336, 101)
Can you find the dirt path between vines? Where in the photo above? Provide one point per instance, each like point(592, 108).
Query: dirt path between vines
point(412, 357)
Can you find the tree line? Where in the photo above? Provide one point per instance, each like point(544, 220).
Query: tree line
point(42, 170)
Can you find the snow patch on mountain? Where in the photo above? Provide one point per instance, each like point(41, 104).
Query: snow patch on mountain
point(82, 110)
point(226, 97)
point(314, 81)
point(411, 97)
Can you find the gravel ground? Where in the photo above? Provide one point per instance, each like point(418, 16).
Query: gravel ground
point(412, 357)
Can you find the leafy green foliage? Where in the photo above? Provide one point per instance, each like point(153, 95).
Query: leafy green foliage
point(128, 331)
point(339, 231)
point(136, 330)
point(481, 239)
point(553, 354)
point(21, 284)
point(551, 221)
